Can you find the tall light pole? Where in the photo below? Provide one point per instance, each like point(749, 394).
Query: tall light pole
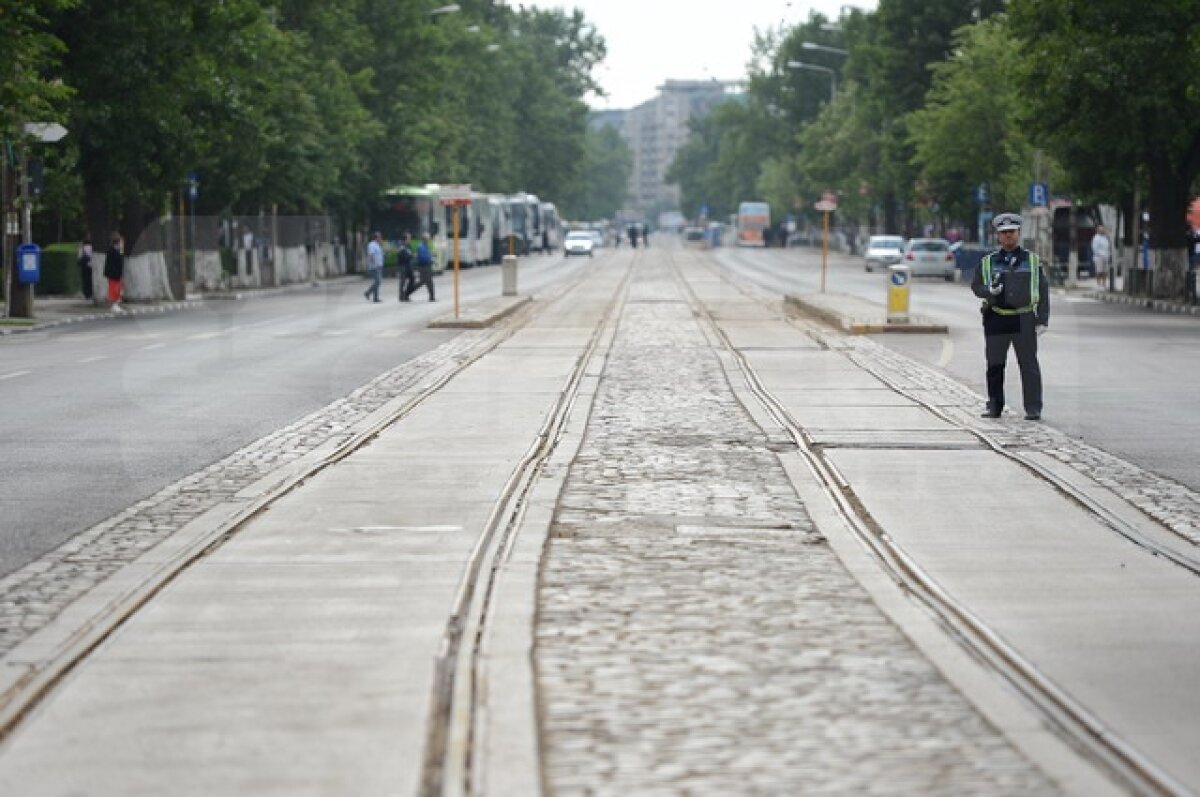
point(817, 68)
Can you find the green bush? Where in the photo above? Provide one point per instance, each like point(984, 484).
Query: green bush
point(228, 261)
point(60, 271)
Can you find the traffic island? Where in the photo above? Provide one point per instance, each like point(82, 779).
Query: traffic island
point(479, 315)
point(857, 316)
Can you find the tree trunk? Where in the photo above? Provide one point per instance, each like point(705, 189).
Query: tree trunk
point(1168, 231)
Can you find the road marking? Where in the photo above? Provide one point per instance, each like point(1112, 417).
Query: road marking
point(14, 374)
point(94, 359)
point(381, 529)
point(210, 335)
point(947, 353)
point(153, 346)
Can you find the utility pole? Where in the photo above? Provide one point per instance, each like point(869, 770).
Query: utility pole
point(20, 295)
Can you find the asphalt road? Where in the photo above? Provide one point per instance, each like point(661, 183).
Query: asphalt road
point(100, 415)
point(1121, 378)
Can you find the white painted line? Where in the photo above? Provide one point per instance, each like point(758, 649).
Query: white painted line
point(95, 359)
point(14, 374)
point(153, 346)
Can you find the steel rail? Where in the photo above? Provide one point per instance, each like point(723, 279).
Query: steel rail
point(1070, 718)
point(451, 723)
point(76, 647)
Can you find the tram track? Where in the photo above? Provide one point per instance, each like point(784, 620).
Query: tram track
point(452, 723)
point(22, 695)
point(1071, 720)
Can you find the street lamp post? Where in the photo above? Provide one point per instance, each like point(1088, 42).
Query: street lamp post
point(817, 68)
point(824, 48)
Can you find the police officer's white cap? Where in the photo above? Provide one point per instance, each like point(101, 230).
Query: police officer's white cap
point(1006, 221)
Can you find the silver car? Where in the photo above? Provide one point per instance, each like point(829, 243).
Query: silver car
point(930, 257)
point(884, 251)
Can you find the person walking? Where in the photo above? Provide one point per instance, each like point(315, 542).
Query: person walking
point(1101, 255)
point(1016, 310)
point(374, 266)
point(424, 268)
point(114, 270)
point(405, 258)
point(85, 266)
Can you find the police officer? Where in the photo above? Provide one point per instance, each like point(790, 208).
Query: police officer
point(1016, 310)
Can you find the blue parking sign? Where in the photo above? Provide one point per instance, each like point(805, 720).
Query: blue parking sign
point(1039, 195)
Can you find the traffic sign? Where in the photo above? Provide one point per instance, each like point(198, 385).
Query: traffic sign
point(1039, 194)
point(828, 202)
point(455, 194)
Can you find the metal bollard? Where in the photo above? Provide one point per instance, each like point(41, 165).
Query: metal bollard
point(897, 303)
point(508, 275)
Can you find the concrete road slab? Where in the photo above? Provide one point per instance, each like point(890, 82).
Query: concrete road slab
point(1117, 628)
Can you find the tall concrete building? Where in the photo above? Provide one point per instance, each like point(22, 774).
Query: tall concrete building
point(656, 130)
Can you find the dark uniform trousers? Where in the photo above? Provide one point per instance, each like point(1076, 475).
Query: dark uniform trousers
point(1018, 331)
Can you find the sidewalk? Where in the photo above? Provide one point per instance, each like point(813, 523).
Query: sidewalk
point(52, 311)
point(683, 609)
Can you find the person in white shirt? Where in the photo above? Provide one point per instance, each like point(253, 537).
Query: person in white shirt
point(375, 266)
point(1101, 255)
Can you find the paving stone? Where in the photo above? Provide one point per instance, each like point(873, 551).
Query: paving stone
point(713, 642)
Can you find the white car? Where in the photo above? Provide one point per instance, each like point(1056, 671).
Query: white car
point(931, 257)
point(884, 251)
point(578, 242)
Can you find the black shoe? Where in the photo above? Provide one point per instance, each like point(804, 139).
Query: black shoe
point(404, 298)
point(377, 301)
point(990, 413)
point(1033, 416)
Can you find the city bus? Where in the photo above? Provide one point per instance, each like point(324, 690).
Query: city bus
point(753, 219)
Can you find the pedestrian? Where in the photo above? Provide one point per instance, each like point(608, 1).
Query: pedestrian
point(424, 268)
point(1101, 255)
point(374, 266)
point(85, 266)
point(633, 235)
point(114, 270)
point(404, 259)
point(1016, 310)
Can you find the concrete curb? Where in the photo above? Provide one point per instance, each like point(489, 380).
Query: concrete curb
point(857, 316)
point(480, 314)
point(1156, 305)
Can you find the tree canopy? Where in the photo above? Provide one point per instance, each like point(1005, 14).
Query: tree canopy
point(297, 105)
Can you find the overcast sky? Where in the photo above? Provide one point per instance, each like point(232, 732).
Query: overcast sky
point(650, 41)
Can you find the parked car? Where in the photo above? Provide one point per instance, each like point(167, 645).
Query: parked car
point(694, 238)
point(884, 251)
point(578, 242)
point(930, 257)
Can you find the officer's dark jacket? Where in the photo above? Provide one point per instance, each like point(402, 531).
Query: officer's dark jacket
point(1015, 274)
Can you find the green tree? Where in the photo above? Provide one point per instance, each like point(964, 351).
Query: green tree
point(890, 59)
point(721, 161)
point(604, 179)
point(1111, 91)
point(973, 128)
point(28, 92)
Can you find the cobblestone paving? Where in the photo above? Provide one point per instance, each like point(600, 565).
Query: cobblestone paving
point(34, 595)
point(697, 636)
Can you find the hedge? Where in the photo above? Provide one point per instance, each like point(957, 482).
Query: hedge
point(60, 271)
